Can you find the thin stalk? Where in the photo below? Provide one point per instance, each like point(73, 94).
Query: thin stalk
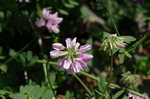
point(26, 46)
point(134, 46)
point(110, 14)
point(110, 71)
point(111, 66)
point(99, 93)
point(82, 83)
point(49, 84)
point(46, 75)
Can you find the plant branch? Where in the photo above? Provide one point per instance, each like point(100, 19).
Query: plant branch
point(82, 83)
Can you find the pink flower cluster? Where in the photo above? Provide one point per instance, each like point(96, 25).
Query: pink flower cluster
point(74, 57)
point(49, 20)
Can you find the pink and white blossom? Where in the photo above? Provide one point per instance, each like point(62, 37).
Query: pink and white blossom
point(74, 58)
point(49, 20)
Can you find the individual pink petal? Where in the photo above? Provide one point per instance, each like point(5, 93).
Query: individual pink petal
point(67, 64)
point(57, 53)
point(60, 63)
point(58, 46)
point(45, 14)
point(85, 48)
point(77, 66)
point(73, 68)
point(122, 44)
point(58, 20)
point(68, 43)
point(82, 62)
point(86, 57)
point(64, 64)
point(73, 43)
point(53, 16)
point(40, 23)
point(55, 29)
point(52, 27)
point(49, 26)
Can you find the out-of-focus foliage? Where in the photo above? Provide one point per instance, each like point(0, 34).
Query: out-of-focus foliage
point(33, 92)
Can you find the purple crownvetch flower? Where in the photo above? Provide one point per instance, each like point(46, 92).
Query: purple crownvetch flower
point(49, 20)
point(74, 57)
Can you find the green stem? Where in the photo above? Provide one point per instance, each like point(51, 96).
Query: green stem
point(49, 84)
point(105, 97)
point(111, 66)
point(46, 75)
point(110, 14)
point(26, 46)
point(82, 83)
point(134, 46)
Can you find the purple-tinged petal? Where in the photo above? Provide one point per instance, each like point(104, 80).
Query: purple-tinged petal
point(73, 68)
point(40, 23)
point(73, 43)
point(45, 14)
point(53, 16)
point(86, 57)
point(58, 20)
point(66, 64)
point(58, 46)
point(68, 43)
point(122, 44)
point(60, 63)
point(55, 29)
point(82, 62)
point(49, 26)
point(57, 53)
point(77, 66)
point(85, 48)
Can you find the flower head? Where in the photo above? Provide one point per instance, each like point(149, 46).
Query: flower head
point(49, 20)
point(112, 42)
point(74, 57)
